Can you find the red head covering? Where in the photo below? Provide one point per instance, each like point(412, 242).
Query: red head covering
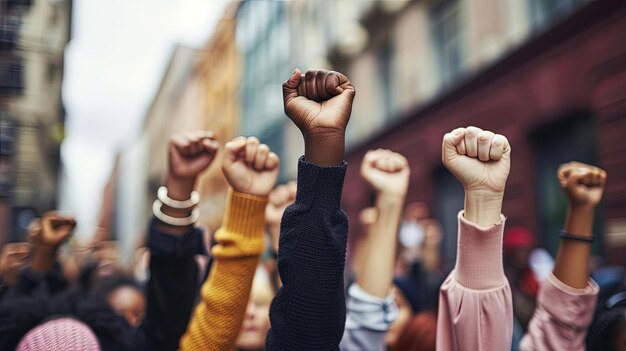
point(518, 238)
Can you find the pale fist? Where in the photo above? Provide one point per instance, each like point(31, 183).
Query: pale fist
point(281, 197)
point(386, 172)
point(52, 230)
point(250, 167)
point(583, 184)
point(478, 158)
point(319, 101)
point(190, 153)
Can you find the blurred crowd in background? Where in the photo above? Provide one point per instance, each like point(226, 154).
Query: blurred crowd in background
point(549, 74)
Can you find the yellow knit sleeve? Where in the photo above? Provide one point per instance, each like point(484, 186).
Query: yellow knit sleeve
point(217, 319)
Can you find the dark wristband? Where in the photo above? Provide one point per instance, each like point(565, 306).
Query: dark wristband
point(567, 236)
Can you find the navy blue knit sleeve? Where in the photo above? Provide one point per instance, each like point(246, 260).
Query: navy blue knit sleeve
point(309, 311)
point(172, 287)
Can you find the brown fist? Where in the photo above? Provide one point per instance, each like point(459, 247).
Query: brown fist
point(52, 230)
point(13, 258)
point(583, 184)
point(319, 101)
point(191, 153)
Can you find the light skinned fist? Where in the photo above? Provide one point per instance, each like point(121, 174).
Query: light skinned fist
point(318, 101)
point(387, 172)
point(478, 158)
point(190, 153)
point(583, 184)
point(281, 197)
point(52, 230)
point(250, 167)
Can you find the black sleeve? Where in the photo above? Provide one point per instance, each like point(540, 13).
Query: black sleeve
point(309, 311)
point(51, 282)
point(172, 287)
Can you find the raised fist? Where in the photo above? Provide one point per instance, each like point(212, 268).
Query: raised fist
point(386, 172)
point(13, 258)
point(281, 197)
point(583, 184)
point(478, 158)
point(52, 230)
point(250, 167)
point(319, 101)
point(190, 153)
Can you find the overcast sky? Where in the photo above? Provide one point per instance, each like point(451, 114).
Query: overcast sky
point(113, 67)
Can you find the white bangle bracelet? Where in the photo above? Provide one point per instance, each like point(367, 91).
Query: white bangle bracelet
point(177, 222)
point(179, 205)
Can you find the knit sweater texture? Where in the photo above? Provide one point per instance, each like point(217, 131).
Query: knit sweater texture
point(309, 311)
point(217, 319)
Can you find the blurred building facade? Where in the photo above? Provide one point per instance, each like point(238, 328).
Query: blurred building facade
point(199, 91)
point(548, 74)
point(33, 36)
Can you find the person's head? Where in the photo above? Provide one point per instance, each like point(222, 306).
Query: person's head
point(59, 334)
point(125, 297)
point(256, 322)
point(608, 330)
point(517, 244)
point(416, 211)
point(405, 296)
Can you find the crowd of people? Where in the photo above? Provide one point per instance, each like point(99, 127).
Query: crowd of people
point(274, 277)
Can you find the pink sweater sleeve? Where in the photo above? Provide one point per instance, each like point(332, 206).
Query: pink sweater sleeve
point(475, 304)
point(562, 317)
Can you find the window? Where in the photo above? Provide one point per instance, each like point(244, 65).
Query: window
point(447, 32)
point(385, 70)
point(449, 201)
point(573, 139)
point(545, 12)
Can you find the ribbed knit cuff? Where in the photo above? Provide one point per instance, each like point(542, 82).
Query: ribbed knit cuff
point(245, 213)
point(479, 255)
point(324, 183)
point(591, 288)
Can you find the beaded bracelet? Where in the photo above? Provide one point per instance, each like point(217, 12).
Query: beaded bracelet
point(568, 236)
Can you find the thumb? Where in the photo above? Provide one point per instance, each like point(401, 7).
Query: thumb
point(290, 87)
point(450, 142)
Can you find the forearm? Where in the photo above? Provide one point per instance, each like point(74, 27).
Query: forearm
point(378, 265)
point(217, 319)
point(308, 312)
point(177, 189)
point(475, 303)
point(172, 285)
point(482, 207)
point(325, 149)
point(44, 258)
point(572, 260)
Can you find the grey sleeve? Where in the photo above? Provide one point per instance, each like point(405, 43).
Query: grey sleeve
point(368, 319)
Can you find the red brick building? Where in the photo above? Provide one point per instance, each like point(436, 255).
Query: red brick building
point(559, 97)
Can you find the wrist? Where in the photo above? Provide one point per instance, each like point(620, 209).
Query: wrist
point(324, 148)
point(579, 220)
point(179, 188)
point(390, 198)
point(483, 207)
